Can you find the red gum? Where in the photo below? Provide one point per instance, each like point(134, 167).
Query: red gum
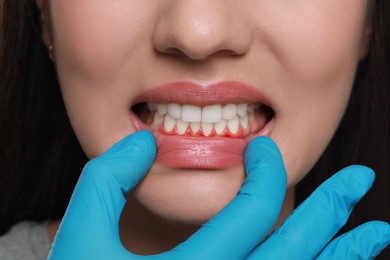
point(199, 133)
point(253, 126)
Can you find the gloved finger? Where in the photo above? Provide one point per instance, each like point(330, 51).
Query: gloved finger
point(364, 242)
point(243, 223)
point(313, 224)
point(98, 199)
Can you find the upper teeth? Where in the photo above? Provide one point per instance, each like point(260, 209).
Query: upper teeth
point(217, 117)
point(207, 114)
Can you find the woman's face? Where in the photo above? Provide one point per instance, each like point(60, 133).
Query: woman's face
point(231, 70)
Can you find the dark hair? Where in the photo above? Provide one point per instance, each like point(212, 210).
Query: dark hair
point(41, 159)
point(363, 136)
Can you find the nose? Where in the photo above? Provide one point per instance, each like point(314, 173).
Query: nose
point(200, 29)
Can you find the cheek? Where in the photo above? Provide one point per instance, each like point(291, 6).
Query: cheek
point(320, 40)
point(308, 124)
point(318, 57)
point(95, 37)
point(95, 48)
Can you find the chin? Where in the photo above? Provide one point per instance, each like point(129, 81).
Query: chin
point(188, 196)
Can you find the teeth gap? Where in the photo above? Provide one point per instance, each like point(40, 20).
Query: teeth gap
point(143, 112)
point(267, 111)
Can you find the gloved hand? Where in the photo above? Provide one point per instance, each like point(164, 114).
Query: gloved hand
point(89, 229)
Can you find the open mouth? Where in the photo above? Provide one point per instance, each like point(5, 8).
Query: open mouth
point(218, 120)
point(203, 127)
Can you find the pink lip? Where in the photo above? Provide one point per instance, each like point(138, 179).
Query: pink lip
point(201, 152)
point(191, 93)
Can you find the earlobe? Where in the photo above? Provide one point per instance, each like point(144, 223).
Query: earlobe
point(44, 22)
point(368, 31)
point(39, 4)
point(366, 42)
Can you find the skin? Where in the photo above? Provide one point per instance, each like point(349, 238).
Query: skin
point(302, 55)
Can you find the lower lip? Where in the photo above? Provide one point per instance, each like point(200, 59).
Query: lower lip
point(199, 152)
point(202, 152)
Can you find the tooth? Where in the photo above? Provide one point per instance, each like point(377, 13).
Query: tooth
point(174, 110)
point(233, 125)
point(169, 123)
point(158, 119)
point(162, 109)
point(212, 114)
point(251, 108)
point(207, 128)
point(220, 127)
point(229, 111)
point(195, 127)
point(241, 109)
point(244, 121)
point(190, 113)
point(152, 107)
point(181, 126)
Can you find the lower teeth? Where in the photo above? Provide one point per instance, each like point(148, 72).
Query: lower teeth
point(237, 127)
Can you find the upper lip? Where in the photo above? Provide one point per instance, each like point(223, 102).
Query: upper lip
point(202, 95)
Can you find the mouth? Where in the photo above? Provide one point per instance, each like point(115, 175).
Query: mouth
point(218, 120)
point(203, 127)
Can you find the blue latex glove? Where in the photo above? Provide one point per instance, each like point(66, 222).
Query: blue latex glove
point(89, 229)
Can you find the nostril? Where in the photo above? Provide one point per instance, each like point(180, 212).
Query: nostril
point(178, 52)
point(226, 53)
point(174, 51)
